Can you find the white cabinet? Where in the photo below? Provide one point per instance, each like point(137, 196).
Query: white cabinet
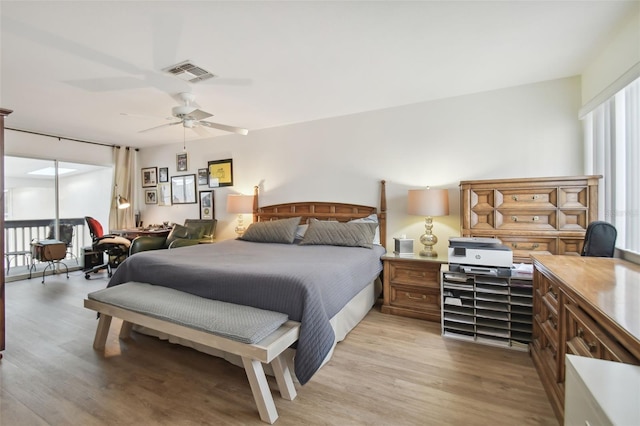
point(599, 392)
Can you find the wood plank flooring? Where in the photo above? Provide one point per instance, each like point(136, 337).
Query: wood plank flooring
point(389, 371)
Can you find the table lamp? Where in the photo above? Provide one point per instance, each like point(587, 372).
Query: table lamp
point(428, 203)
point(240, 204)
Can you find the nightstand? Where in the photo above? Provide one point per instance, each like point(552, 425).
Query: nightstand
point(412, 286)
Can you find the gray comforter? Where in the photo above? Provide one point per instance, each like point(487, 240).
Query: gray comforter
point(309, 283)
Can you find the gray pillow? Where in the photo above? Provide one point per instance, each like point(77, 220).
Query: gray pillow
point(352, 234)
point(275, 231)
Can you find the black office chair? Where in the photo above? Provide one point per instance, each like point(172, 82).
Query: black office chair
point(600, 239)
point(116, 247)
point(66, 236)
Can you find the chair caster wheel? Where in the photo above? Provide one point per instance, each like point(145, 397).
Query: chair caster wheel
point(87, 276)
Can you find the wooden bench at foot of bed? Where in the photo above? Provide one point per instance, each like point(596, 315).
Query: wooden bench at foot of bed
point(256, 335)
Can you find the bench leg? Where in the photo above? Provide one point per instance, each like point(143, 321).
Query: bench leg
point(102, 331)
point(283, 378)
point(125, 330)
point(260, 390)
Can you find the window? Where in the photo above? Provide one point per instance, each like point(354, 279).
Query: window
point(612, 149)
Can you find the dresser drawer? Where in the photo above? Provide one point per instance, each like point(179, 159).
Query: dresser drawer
point(523, 247)
point(423, 275)
point(527, 198)
point(520, 220)
point(482, 199)
point(572, 197)
point(586, 338)
point(482, 219)
point(571, 246)
point(572, 220)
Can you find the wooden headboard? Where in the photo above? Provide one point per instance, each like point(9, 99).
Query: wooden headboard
point(323, 210)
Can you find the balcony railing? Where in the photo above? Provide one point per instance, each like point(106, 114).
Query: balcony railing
point(18, 235)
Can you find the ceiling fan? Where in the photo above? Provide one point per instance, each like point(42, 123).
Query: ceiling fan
point(192, 118)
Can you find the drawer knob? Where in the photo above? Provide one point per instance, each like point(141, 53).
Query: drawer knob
point(421, 297)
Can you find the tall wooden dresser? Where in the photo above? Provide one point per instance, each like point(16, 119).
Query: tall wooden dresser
point(531, 215)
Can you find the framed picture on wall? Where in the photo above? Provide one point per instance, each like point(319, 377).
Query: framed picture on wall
point(220, 173)
point(149, 176)
point(163, 174)
point(182, 164)
point(164, 194)
point(206, 205)
point(150, 196)
point(183, 189)
point(203, 177)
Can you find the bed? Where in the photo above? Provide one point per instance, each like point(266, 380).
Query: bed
point(327, 288)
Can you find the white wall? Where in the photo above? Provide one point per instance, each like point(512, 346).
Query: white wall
point(525, 131)
point(620, 53)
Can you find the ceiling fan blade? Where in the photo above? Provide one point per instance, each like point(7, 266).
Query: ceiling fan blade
point(238, 130)
point(198, 114)
point(158, 127)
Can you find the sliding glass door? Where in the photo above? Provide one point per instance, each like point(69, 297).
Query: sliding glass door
point(47, 199)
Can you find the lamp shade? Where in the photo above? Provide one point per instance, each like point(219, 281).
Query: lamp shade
point(428, 202)
point(239, 204)
point(122, 202)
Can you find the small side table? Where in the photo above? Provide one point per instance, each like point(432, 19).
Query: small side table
point(411, 286)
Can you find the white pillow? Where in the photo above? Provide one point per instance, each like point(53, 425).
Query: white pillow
point(372, 218)
point(300, 231)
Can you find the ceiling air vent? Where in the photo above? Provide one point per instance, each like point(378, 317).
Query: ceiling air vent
point(189, 72)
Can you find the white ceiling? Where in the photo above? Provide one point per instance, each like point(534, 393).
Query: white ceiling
point(71, 68)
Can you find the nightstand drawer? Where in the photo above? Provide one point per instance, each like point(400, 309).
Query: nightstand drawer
point(420, 298)
point(424, 275)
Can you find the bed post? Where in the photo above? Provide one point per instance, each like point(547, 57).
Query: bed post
point(255, 203)
point(382, 216)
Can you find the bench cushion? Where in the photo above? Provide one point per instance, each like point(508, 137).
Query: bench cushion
point(241, 323)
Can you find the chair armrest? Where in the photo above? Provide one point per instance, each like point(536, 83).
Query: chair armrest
point(144, 243)
point(183, 242)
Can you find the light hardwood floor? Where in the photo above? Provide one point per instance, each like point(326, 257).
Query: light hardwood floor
point(389, 371)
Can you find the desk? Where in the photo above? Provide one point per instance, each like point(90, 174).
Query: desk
point(585, 306)
point(132, 233)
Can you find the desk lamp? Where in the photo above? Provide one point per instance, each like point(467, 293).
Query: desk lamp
point(428, 202)
point(240, 204)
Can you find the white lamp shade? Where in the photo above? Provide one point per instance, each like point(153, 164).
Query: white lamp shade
point(239, 204)
point(428, 202)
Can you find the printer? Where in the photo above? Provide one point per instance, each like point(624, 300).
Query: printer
point(475, 255)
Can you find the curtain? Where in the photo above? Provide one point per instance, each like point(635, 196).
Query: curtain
point(124, 161)
point(612, 149)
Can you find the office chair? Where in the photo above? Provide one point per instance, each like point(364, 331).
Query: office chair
point(114, 246)
point(600, 239)
point(66, 236)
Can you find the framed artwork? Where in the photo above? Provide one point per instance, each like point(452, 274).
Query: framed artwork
point(182, 164)
point(183, 189)
point(206, 205)
point(150, 196)
point(164, 194)
point(220, 173)
point(149, 176)
point(203, 177)
point(163, 174)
